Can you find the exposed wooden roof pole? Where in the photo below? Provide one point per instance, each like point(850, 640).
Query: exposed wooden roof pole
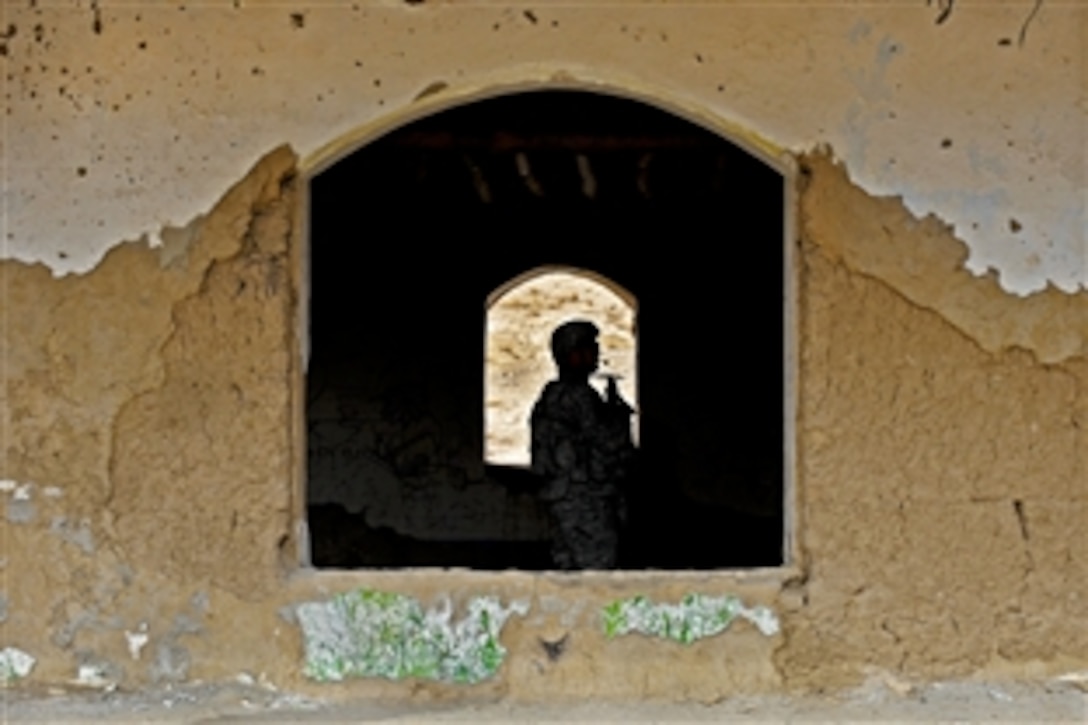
point(517, 141)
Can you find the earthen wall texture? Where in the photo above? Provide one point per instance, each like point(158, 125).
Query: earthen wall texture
point(153, 397)
point(149, 435)
point(941, 474)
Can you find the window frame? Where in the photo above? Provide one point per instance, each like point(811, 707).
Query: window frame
point(783, 162)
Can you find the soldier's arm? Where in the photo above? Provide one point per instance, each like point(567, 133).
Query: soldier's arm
point(607, 427)
point(559, 435)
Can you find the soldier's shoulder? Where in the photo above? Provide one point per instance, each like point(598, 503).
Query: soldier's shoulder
point(573, 393)
point(563, 398)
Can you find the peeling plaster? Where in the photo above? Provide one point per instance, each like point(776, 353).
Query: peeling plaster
point(137, 640)
point(863, 232)
point(97, 673)
point(368, 633)
point(21, 511)
point(695, 617)
point(22, 493)
point(14, 664)
point(172, 660)
point(287, 614)
point(76, 534)
point(69, 619)
point(119, 139)
point(171, 663)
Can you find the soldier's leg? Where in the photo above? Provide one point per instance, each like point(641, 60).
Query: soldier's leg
point(587, 529)
point(559, 527)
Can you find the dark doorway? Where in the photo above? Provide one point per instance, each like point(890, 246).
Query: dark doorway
point(411, 233)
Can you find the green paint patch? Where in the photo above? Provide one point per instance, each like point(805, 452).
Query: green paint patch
point(695, 617)
point(367, 633)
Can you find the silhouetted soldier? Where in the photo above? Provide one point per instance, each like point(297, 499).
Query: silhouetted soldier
point(581, 446)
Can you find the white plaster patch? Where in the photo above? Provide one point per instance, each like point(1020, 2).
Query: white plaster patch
point(20, 509)
point(367, 633)
point(136, 640)
point(14, 663)
point(93, 675)
point(695, 617)
point(52, 492)
point(762, 617)
point(1078, 679)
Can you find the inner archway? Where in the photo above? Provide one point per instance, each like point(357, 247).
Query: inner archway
point(521, 316)
point(412, 233)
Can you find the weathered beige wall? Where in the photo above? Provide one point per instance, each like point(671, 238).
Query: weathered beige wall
point(942, 462)
point(153, 109)
point(153, 396)
point(148, 403)
point(941, 495)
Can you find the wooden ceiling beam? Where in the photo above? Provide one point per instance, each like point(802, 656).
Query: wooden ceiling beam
point(507, 141)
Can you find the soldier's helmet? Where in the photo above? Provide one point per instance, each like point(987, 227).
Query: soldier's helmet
point(572, 335)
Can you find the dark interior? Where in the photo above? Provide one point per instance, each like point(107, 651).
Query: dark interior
point(411, 233)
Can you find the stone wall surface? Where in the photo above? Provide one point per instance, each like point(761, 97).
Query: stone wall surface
point(150, 456)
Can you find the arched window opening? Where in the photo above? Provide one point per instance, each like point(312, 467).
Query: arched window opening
point(521, 316)
point(424, 247)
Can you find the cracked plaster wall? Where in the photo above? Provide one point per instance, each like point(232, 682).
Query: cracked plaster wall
point(147, 406)
point(123, 118)
point(127, 526)
point(942, 457)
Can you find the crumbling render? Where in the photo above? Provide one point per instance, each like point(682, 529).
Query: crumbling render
point(134, 514)
point(921, 260)
point(941, 426)
point(14, 663)
point(367, 633)
point(225, 389)
point(695, 617)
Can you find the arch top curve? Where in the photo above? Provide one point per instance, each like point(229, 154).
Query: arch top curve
point(629, 299)
point(429, 103)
